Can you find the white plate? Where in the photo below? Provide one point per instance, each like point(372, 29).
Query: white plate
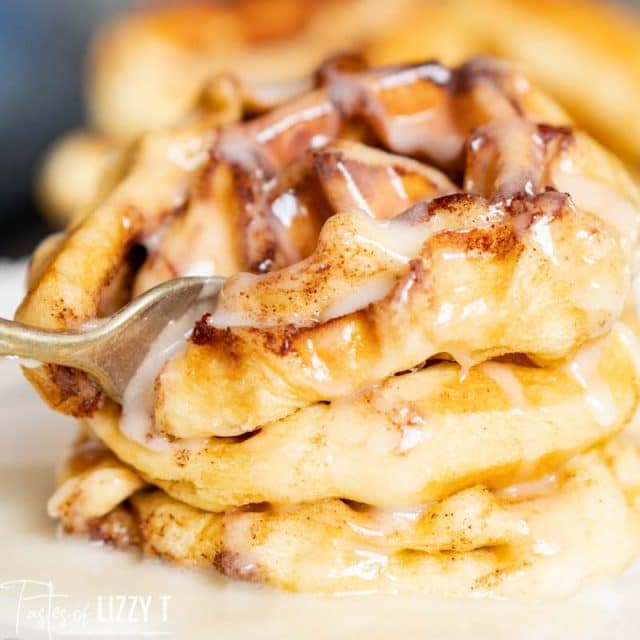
point(53, 588)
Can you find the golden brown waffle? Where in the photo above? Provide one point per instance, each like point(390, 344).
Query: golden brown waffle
point(583, 52)
point(149, 69)
point(435, 269)
point(412, 438)
point(540, 538)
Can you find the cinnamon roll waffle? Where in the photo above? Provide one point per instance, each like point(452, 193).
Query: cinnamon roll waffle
point(151, 68)
point(417, 374)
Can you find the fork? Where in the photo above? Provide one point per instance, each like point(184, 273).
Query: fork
point(112, 349)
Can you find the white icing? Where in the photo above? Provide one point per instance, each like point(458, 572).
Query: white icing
point(410, 513)
point(399, 239)
point(540, 233)
point(236, 147)
point(355, 193)
point(199, 268)
point(152, 241)
point(519, 155)
point(138, 402)
point(285, 208)
point(604, 202)
point(318, 140)
point(599, 297)
point(318, 368)
point(136, 421)
point(411, 438)
point(368, 567)
point(636, 294)
point(463, 358)
point(306, 114)
point(286, 241)
point(502, 374)
point(432, 73)
point(272, 93)
point(365, 531)
point(529, 489)
point(584, 369)
point(360, 297)
point(24, 362)
point(445, 314)
point(189, 154)
point(632, 344)
point(431, 131)
point(396, 183)
point(225, 316)
point(202, 604)
point(387, 521)
point(542, 547)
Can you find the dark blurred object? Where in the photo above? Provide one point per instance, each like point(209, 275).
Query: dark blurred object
point(42, 47)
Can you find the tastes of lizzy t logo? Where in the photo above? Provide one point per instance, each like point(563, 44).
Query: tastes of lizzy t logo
point(34, 605)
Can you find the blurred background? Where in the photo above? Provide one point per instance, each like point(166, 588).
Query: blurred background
point(42, 52)
point(42, 49)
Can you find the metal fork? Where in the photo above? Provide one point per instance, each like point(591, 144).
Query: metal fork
point(111, 349)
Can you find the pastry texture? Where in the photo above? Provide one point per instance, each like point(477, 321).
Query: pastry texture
point(152, 68)
point(417, 374)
